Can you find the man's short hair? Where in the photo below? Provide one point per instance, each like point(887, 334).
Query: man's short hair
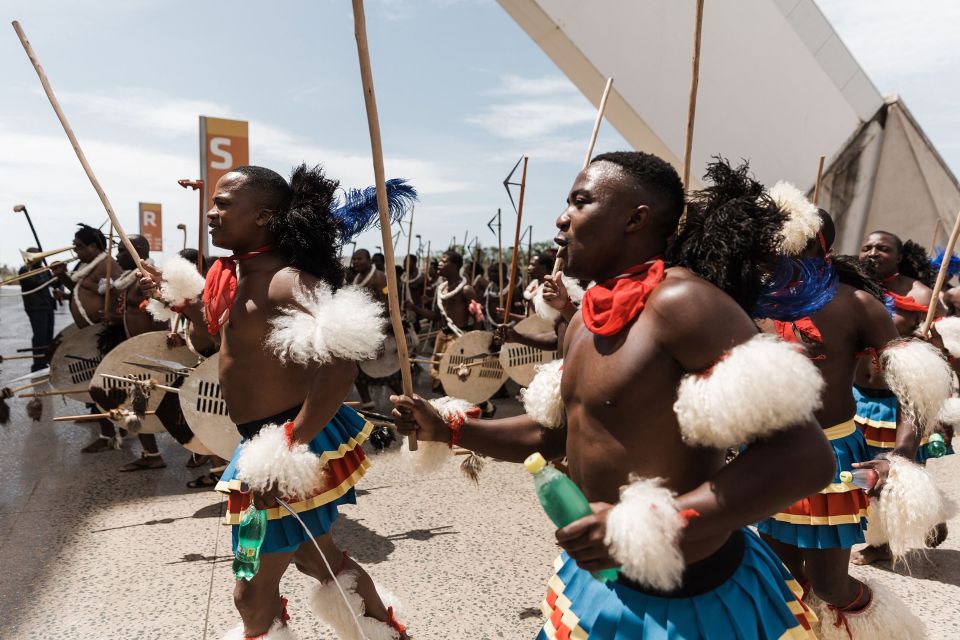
point(546, 261)
point(454, 257)
point(656, 177)
point(91, 235)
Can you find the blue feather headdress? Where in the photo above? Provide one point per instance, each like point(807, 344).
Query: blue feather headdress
point(797, 289)
point(953, 269)
point(358, 210)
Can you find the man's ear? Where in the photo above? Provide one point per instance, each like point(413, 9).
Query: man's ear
point(263, 217)
point(640, 218)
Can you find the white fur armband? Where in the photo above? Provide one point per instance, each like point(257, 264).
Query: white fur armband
point(182, 282)
point(909, 506)
point(762, 386)
point(268, 459)
point(803, 220)
point(949, 330)
point(348, 325)
point(920, 378)
point(642, 534)
point(433, 456)
point(541, 399)
point(950, 412)
point(160, 311)
point(545, 311)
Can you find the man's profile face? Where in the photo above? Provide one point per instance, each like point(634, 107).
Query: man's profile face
point(232, 219)
point(535, 270)
point(879, 252)
point(86, 252)
point(448, 269)
point(361, 262)
point(124, 259)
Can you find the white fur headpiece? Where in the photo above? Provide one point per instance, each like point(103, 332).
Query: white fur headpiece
point(431, 457)
point(918, 374)
point(348, 325)
point(181, 280)
point(949, 330)
point(160, 311)
point(642, 533)
point(268, 459)
point(763, 386)
point(541, 399)
point(909, 506)
point(887, 617)
point(803, 220)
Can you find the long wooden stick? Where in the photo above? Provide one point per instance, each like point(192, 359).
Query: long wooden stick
point(73, 141)
point(28, 356)
point(692, 102)
point(816, 189)
point(941, 277)
point(142, 383)
point(100, 416)
point(500, 261)
point(406, 259)
point(516, 243)
point(936, 232)
point(376, 145)
point(106, 287)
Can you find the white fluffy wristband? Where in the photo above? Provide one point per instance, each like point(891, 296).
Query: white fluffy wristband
point(920, 378)
point(762, 386)
point(268, 460)
point(160, 311)
point(541, 399)
point(181, 281)
point(431, 457)
point(346, 325)
point(643, 530)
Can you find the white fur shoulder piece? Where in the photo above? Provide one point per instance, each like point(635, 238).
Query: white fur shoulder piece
point(949, 330)
point(921, 379)
point(268, 459)
point(431, 457)
point(909, 506)
point(181, 280)
point(160, 311)
point(642, 534)
point(762, 386)
point(541, 399)
point(347, 324)
point(803, 220)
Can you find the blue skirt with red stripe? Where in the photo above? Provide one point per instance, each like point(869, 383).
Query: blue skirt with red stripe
point(877, 419)
point(759, 600)
point(339, 447)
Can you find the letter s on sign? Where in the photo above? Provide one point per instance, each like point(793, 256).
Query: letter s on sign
point(222, 158)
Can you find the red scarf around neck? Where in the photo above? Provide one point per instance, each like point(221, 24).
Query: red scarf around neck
point(221, 288)
point(612, 305)
point(906, 303)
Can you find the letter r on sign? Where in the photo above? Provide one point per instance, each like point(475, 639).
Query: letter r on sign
point(149, 218)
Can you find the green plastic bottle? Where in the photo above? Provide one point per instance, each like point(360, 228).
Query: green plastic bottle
point(253, 529)
point(936, 447)
point(562, 500)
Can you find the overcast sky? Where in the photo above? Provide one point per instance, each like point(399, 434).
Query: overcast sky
point(462, 91)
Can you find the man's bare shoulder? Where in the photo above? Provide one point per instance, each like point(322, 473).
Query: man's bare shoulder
point(286, 282)
point(921, 292)
point(683, 295)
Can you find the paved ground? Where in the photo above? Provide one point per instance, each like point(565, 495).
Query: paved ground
point(88, 552)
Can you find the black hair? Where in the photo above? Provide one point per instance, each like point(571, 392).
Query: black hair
point(546, 261)
point(454, 257)
point(109, 337)
point(732, 233)
point(91, 235)
point(411, 260)
point(915, 263)
point(656, 177)
point(854, 273)
point(827, 228)
point(190, 255)
point(302, 224)
point(362, 251)
point(480, 270)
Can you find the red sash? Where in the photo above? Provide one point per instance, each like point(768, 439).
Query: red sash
point(610, 306)
point(906, 303)
point(221, 288)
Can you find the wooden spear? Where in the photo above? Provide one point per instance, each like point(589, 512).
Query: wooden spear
point(692, 101)
point(406, 258)
point(941, 278)
point(73, 141)
point(106, 286)
point(516, 244)
point(816, 189)
point(376, 145)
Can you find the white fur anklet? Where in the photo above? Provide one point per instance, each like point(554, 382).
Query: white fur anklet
point(909, 506)
point(886, 617)
point(279, 631)
point(431, 457)
point(920, 377)
point(268, 460)
point(328, 605)
point(327, 325)
point(541, 399)
point(761, 387)
point(642, 533)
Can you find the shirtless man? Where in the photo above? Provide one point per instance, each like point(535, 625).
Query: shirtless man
point(877, 415)
point(285, 390)
point(619, 386)
point(854, 320)
point(540, 276)
point(413, 281)
point(372, 278)
point(86, 302)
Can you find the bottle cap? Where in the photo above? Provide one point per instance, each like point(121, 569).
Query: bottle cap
point(535, 463)
point(935, 437)
point(846, 477)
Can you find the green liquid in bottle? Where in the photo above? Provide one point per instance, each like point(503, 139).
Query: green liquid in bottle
point(936, 447)
point(252, 531)
point(562, 500)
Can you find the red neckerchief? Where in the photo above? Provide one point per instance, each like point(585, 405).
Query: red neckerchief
point(610, 306)
point(221, 288)
point(788, 332)
point(906, 303)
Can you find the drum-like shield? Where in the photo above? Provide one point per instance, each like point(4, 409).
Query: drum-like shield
point(520, 361)
point(206, 411)
point(468, 370)
point(75, 359)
